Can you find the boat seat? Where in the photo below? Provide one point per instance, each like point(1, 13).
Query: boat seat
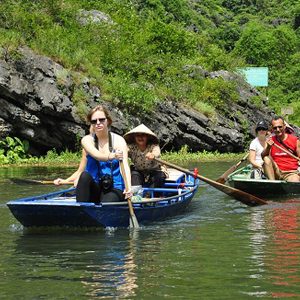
point(175, 176)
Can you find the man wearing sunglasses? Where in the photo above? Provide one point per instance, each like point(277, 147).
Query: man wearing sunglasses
point(281, 165)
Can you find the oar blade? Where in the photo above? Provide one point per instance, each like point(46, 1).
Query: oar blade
point(34, 182)
point(223, 178)
point(133, 222)
point(239, 195)
point(29, 181)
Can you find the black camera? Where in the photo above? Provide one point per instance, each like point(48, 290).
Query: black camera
point(106, 182)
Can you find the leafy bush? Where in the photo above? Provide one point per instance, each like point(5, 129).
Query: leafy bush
point(183, 155)
point(219, 93)
point(13, 150)
point(66, 157)
point(139, 58)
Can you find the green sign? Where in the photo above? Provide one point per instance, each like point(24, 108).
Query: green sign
point(255, 76)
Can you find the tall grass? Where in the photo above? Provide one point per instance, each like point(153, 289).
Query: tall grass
point(184, 155)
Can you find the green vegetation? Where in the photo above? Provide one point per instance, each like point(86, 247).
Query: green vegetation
point(14, 152)
point(184, 155)
point(64, 158)
point(149, 51)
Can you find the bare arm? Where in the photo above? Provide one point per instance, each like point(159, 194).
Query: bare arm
point(298, 148)
point(75, 176)
point(267, 150)
point(88, 145)
point(118, 144)
point(155, 153)
point(121, 144)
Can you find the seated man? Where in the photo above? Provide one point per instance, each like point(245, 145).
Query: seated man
point(281, 165)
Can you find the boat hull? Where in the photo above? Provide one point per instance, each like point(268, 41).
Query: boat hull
point(262, 187)
point(274, 188)
point(89, 215)
point(61, 209)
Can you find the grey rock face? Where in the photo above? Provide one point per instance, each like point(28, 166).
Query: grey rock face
point(36, 105)
point(93, 16)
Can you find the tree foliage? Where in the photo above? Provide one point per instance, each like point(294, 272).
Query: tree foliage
point(140, 57)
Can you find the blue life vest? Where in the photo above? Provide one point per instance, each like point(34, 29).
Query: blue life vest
point(99, 168)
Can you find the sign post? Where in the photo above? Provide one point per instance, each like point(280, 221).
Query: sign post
point(256, 76)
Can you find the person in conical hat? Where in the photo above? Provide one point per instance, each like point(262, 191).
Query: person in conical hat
point(141, 130)
point(143, 147)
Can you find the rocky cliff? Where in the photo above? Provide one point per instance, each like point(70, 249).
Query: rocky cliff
point(37, 105)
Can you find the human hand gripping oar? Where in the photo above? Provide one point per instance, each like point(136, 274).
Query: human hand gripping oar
point(222, 179)
point(133, 222)
point(241, 196)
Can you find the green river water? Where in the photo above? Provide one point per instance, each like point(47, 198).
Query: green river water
point(217, 249)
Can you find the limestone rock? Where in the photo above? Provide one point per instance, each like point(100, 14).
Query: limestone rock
point(36, 105)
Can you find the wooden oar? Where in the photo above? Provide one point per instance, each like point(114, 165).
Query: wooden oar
point(286, 151)
point(222, 179)
point(133, 222)
point(241, 196)
point(32, 181)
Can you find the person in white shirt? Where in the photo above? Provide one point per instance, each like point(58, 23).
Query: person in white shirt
point(257, 146)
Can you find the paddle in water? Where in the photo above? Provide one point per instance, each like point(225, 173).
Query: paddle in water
point(223, 178)
point(241, 196)
point(133, 222)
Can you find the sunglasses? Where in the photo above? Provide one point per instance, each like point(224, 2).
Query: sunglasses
point(279, 127)
point(260, 128)
point(101, 120)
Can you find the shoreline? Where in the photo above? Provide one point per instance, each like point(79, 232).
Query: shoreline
point(72, 159)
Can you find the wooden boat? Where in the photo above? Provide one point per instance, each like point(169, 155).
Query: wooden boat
point(241, 179)
point(61, 209)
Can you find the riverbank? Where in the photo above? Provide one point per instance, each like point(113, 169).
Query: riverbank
point(67, 158)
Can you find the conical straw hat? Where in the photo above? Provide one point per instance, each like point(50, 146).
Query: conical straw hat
point(129, 136)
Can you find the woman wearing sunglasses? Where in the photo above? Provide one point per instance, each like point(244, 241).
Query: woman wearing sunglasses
point(257, 146)
point(101, 180)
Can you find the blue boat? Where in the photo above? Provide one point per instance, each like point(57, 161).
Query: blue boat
point(61, 209)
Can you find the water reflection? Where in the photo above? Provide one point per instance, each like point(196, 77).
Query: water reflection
point(276, 247)
point(285, 260)
point(118, 273)
point(217, 242)
point(103, 262)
